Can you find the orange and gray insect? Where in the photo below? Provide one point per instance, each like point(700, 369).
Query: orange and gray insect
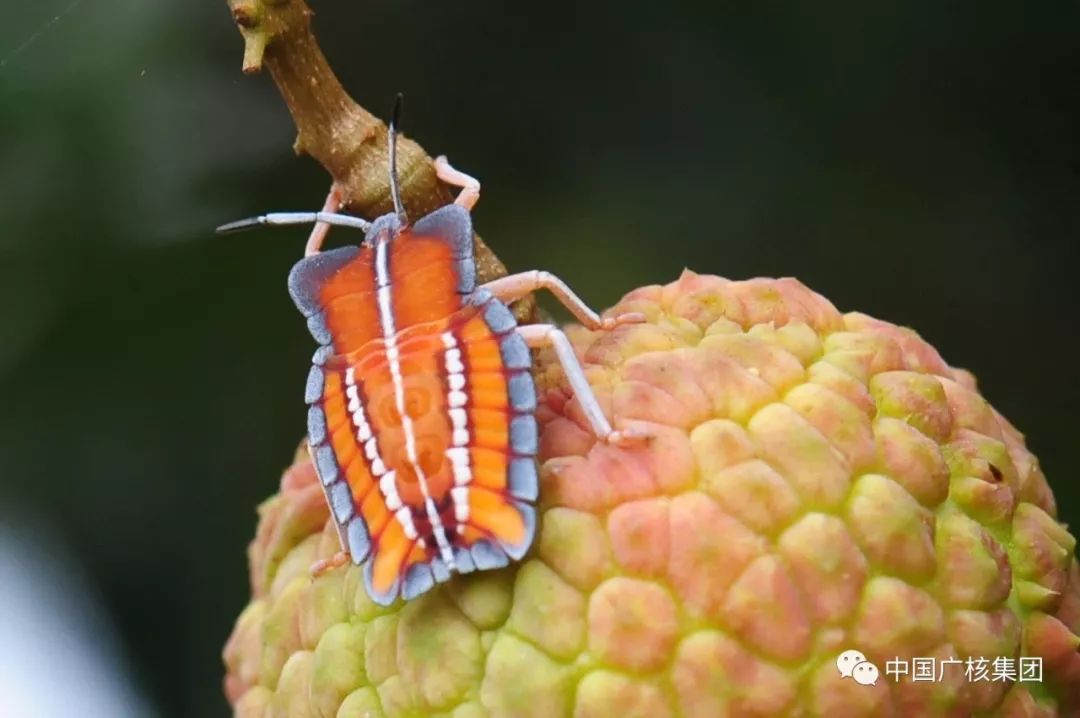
point(420, 400)
point(421, 404)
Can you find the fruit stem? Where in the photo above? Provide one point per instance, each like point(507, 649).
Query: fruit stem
point(347, 140)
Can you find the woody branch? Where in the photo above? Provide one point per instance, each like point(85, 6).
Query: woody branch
point(347, 140)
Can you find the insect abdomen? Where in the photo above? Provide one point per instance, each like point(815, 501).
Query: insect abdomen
point(447, 485)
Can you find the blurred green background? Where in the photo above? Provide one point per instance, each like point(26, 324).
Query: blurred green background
point(916, 161)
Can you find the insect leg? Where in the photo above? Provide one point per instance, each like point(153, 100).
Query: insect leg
point(325, 565)
point(516, 286)
point(545, 335)
point(470, 186)
point(319, 231)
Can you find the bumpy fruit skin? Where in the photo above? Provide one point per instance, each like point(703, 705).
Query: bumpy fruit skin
point(815, 482)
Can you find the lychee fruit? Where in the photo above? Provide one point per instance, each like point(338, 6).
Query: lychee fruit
point(816, 484)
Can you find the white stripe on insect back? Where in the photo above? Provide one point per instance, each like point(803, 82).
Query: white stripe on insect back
point(386, 319)
point(459, 442)
point(364, 435)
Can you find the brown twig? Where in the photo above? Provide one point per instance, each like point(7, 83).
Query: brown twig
point(345, 138)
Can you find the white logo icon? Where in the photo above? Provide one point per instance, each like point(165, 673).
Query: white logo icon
point(853, 664)
point(865, 674)
point(846, 662)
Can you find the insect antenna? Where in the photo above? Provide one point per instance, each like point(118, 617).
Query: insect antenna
point(395, 191)
point(284, 218)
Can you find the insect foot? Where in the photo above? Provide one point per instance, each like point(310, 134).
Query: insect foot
point(627, 438)
point(609, 323)
point(325, 565)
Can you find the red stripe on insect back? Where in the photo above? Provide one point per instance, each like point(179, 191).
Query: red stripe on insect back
point(489, 414)
point(348, 298)
point(396, 514)
point(426, 406)
point(424, 274)
point(389, 557)
point(342, 431)
point(491, 513)
point(430, 357)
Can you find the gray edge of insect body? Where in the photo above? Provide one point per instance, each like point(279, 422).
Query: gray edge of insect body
point(309, 274)
point(452, 223)
point(523, 435)
point(480, 297)
point(418, 579)
point(499, 318)
point(316, 422)
point(341, 501)
point(316, 324)
point(439, 570)
point(466, 271)
point(337, 492)
point(523, 481)
point(326, 465)
point(463, 560)
point(316, 381)
point(487, 556)
point(522, 392)
point(358, 540)
point(517, 551)
point(515, 352)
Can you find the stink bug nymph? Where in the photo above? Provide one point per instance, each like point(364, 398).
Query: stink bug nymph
point(421, 398)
